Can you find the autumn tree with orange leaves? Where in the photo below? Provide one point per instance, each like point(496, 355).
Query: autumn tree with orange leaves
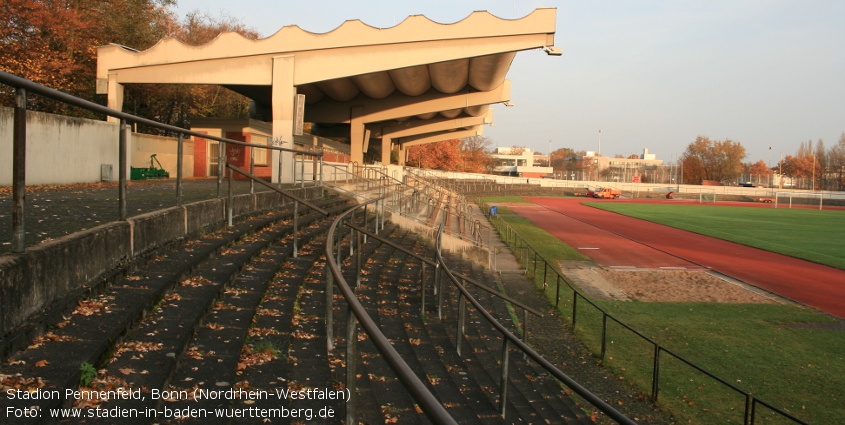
point(719, 161)
point(54, 43)
point(471, 155)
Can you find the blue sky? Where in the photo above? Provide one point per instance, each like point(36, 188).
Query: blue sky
point(650, 74)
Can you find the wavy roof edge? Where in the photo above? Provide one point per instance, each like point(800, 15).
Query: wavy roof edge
point(414, 28)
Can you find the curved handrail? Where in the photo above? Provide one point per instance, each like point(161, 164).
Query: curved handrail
point(434, 264)
point(426, 400)
point(545, 364)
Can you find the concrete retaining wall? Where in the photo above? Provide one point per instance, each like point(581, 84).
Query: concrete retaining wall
point(48, 272)
point(59, 149)
point(67, 150)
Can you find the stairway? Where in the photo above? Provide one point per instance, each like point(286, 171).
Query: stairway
point(236, 318)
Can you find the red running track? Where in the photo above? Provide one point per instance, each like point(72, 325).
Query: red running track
point(619, 241)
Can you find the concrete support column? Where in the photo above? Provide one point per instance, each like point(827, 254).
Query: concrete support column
point(356, 136)
point(283, 97)
point(403, 153)
point(386, 147)
point(115, 96)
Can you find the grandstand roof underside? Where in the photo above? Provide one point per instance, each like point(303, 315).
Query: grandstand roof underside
point(421, 73)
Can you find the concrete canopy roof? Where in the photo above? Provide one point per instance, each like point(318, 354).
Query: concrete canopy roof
point(356, 74)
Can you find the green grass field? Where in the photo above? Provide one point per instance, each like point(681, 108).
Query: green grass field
point(813, 235)
point(779, 353)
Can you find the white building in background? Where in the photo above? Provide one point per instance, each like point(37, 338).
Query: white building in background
point(518, 162)
point(627, 170)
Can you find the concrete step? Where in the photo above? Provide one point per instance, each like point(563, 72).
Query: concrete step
point(90, 335)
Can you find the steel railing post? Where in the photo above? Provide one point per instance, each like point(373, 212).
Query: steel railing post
point(351, 365)
point(503, 385)
point(603, 334)
point(574, 308)
point(655, 379)
point(252, 169)
point(525, 326)
point(557, 293)
point(230, 202)
point(422, 288)
point(351, 235)
point(121, 167)
point(221, 153)
point(179, 163)
point(461, 315)
point(753, 412)
point(295, 229)
point(19, 172)
point(329, 306)
point(358, 260)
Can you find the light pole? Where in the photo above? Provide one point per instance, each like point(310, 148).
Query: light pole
point(772, 179)
point(599, 142)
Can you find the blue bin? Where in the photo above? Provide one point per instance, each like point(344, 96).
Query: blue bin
point(493, 210)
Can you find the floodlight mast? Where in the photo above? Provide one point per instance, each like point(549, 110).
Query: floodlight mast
point(552, 50)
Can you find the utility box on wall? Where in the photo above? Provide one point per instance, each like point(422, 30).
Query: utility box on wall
point(105, 172)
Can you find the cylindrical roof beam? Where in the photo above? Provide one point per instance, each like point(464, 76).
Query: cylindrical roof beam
point(477, 111)
point(340, 89)
point(451, 76)
point(488, 72)
point(412, 81)
point(376, 85)
point(311, 92)
point(452, 113)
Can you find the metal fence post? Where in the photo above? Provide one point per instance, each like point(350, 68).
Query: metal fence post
point(749, 409)
point(329, 307)
point(655, 379)
point(422, 288)
point(351, 365)
point(221, 153)
point(230, 203)
point(545, 274)
point(358, 260)
point(122, 168)
point(461, 316)
point(574, 308)
point(296, 229)
point(603, 334)
point(525, 326)
point(557, 293)
point(179, 164)
point(251, 169)
point(503, 386)
point(19, 172)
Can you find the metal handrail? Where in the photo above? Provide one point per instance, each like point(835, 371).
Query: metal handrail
point(23, 85)
point(428, 403)
point(751, 401)
point(434, 264)
point(15, 81)
point(510, 338)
